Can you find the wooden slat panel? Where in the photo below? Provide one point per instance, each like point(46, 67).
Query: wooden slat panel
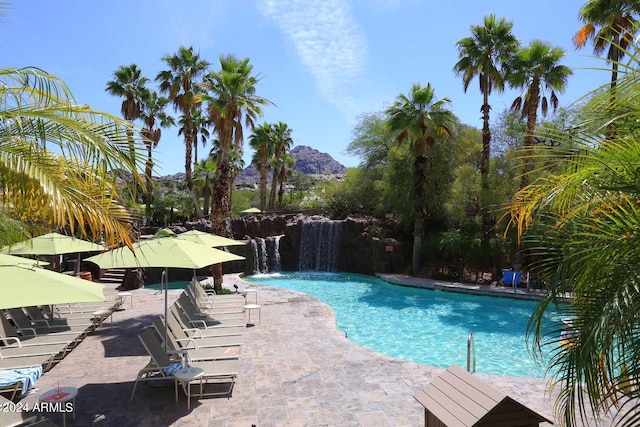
point(458, 398)
point(465, 399)
point(438, 409)
point(469, 391)
point(487, 389)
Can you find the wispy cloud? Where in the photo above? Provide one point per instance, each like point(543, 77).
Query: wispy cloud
point(330, 44)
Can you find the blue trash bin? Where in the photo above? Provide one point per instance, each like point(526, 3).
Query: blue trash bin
point(508, 277)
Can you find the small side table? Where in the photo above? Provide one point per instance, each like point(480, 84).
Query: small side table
point(123, 297)
point(250, 307)
point(59, 396)
point(253, 291)
point(100, 315)
point(184, 376)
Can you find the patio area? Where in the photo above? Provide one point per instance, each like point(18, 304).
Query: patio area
point(297, 369)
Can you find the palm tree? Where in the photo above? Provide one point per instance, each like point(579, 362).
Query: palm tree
point(282, 143)
point(262, 142)
point(611, 23)
point(231, 100)
point(286, 163)
point(55, 159)
point(154, 118)
point(420, 120)
point(583, 221)
point(205, 174)
point(200, 129)
point(180, 83)
point(485, 54)
point(536, 69)
point(129, 83)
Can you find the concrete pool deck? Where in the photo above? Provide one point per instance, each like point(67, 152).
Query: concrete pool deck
point(465, 288)
point(297, 369)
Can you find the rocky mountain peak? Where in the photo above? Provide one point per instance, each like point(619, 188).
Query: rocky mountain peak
point(309, 161)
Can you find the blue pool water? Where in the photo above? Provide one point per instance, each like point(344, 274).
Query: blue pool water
point(424, 326)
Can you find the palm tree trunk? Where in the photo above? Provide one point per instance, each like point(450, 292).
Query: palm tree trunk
point(274, 186)
point(147, 172)
point(132, 154)
point(263, 183)
point(487, 222)
point(220, 211)
point(419, 166)
point(532, 116)
point(281, 190)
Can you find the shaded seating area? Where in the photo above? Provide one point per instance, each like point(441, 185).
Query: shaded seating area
point(458, 398)
point(34, 339)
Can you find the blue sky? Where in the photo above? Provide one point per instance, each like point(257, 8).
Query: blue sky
point(322, 62)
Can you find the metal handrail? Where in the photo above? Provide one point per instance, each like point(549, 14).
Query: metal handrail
point(471, 348)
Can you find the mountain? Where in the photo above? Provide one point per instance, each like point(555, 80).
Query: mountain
point(309, 161)
point(312, 162)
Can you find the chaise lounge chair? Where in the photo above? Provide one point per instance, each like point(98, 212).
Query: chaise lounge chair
point(162, 367)
point(214, 352)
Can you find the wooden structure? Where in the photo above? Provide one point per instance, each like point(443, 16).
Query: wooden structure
point(456, 398)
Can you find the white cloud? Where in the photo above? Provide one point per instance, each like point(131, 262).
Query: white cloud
point(329, 42)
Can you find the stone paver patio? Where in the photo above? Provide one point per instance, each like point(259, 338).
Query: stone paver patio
point(297, 369)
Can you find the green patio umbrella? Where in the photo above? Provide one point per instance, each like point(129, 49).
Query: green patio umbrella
point(52, 244)
point(167, 252)
point(23, 283)
point(251, 210)
point(208, 239)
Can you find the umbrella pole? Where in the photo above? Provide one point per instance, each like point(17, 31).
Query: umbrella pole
point(165, 286)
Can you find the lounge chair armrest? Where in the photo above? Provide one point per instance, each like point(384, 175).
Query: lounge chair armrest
point(197, 333)
point(205, 306)
point(67, 308)
point(15, 339)
point(190, 343)
point(30, 330)
point(198, 322)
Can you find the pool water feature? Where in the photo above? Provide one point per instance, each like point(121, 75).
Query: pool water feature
point(421, 325)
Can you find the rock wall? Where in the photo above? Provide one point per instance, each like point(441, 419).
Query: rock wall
point(365, 244)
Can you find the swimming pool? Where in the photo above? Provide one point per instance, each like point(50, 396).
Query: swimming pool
point(424, 326)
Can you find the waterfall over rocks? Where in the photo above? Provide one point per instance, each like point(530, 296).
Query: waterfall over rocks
point(266, 254)
point(275, 266)
point(320, 245)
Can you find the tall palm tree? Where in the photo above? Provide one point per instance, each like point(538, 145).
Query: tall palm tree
point(200, 131)
point(231, 102)
point(154, 118)
point(420, 120)
point(129, 83)
point(262, 142)
point(583, 221)
point(205, 175)
point(286, 172)
point(609, 23)
point(56, 156)
point(536, 69)
point(485, 54)
point(180, 84)
point(282, 144)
